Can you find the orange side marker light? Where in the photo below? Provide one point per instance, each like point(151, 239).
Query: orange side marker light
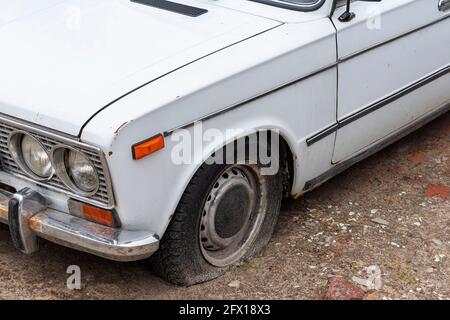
point(147, 147)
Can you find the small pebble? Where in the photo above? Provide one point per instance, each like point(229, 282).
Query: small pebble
point(437, 242)
point(234, 284)
point(380, 221)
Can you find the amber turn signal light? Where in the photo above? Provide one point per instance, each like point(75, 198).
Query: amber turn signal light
point(98, 215)
point(92, 213)
point(147, 147)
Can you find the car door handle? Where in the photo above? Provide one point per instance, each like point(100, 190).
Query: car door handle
point(444, 5)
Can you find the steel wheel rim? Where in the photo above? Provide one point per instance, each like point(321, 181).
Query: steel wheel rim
point(231, 216)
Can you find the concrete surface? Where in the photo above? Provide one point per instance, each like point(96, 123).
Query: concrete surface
point(389, 213)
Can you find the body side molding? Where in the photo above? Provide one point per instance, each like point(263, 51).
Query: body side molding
point(377, 105)
point(342, 166)
point(332, 128)
point(215, 114)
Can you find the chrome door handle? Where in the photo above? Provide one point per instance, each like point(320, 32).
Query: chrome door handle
point(444, 5)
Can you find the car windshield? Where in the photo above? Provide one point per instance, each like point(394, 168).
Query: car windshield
point(303, 5)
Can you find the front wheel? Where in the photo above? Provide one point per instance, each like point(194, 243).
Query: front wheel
point(227, 214)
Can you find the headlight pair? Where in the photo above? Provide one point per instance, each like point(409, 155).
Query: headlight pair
point(73, 168)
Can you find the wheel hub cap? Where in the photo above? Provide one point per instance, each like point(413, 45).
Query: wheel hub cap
point(228, 217)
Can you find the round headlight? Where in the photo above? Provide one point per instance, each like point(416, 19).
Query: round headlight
point(76, 170)
point(31, 156)
point(82, 171)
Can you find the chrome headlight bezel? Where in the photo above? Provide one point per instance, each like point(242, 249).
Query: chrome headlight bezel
point(104, 198)
point(15, 148)
point(58, 157)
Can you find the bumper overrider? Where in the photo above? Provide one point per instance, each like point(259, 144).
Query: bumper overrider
point(29, 217)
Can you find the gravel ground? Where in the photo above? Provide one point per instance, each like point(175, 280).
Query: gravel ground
point(389, 213)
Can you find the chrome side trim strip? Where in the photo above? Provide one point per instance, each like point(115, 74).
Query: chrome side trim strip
point(342, 166)
point(377, 105)
point(237, 105)
point(375, 46)
point(342, 60)
point(322, 134)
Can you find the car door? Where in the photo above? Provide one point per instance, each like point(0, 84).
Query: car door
point(394, 62)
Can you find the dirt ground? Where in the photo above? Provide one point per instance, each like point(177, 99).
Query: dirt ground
point(390, 212)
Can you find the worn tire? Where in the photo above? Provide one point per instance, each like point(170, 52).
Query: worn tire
point(180, 259)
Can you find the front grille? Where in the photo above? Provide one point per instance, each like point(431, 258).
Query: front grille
point(8, 164)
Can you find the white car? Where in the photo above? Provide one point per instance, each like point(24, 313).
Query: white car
point(117, 117)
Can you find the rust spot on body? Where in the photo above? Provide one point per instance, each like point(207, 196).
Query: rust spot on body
point(3, 213)
point(35, 222)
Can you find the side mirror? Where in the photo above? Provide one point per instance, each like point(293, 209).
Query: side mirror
point(348, 15)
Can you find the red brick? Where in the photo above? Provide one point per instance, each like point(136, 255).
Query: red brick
point(438, 190)
point(340, 289)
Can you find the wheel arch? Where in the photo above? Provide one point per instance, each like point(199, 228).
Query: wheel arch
point(288, 154)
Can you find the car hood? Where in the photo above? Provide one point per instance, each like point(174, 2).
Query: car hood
point(63, 61)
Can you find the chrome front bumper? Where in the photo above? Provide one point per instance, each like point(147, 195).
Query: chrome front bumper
point(28, 217)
